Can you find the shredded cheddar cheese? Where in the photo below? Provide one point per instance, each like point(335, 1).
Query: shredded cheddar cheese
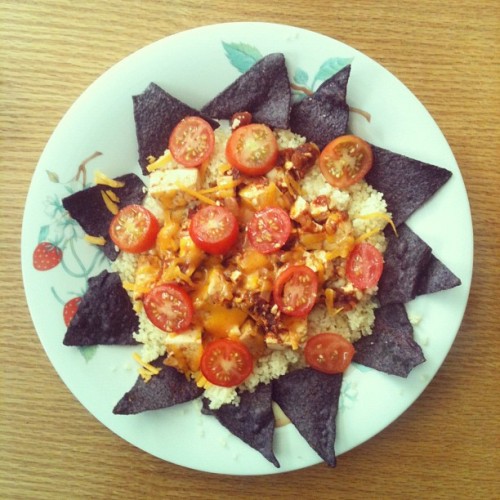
point(95, 240)
point(161, 162)
point(110, 204)
point(378, 215)
point(100, 178)
point(113, 196)
point(147, 370)
point(196, 194)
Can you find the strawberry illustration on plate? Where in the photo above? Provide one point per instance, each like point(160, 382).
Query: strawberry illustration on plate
point(70, 309)
point(46, 256)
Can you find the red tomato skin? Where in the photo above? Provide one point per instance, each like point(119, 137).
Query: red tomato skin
point(147, 238)
point(214, 244)
point(237, 159)
point(224, 349)
point(329, 353)
point(307, 296)
point(176, 291)
point(197, 126)
point(278, 237)
point(330, 152)
point(364, 266)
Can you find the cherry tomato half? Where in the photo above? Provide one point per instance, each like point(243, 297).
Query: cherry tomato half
point(269, 229)
point(169, 307)
point(295, 290)
point(329, 353)
point(192, 141)
point(226, 363)
point(345, 161)
point(214, 229)
point(252, 149)
point(134, 229)
point(364, 266)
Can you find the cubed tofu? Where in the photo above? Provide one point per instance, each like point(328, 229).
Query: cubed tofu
point(299, 210)
point(184, 350)
point(164, 186)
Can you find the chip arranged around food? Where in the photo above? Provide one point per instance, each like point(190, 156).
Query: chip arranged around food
point(265, 251)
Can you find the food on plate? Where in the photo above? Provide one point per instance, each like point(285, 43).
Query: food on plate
point(391, 347)
point(271, 245)
point(324, 115)
point(165, 387)
point(406, 183)
point(345, 161)
point(436, 277)
point(263, 91)
point(94, 208)
point(156, 114)
point(252, 420)
point(104, 314)
point(134, 229)
point(407, 257)
point(315, 420)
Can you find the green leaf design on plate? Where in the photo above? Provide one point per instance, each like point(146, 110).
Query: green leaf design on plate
point(241, 55)
point(330, 67)
point(53, 177)
point(88, 352)
point(300, 77)
point(43, 233)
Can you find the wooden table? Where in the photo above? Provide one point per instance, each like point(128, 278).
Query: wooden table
point(446, 444)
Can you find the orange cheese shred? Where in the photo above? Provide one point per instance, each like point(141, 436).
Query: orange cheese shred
point(147, 370)
point(100, 178)
point(196, 194)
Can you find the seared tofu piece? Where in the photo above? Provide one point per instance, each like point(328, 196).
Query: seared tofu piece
point(164, 186)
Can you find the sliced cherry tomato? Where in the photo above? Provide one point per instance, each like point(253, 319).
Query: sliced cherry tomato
point(329, 353)
point(295, 290)
point(134, 229)
point(226, 362)
point(214, 229)
point(269, 229)
point(169, 307)
point(364, 266)
point(192, 141)
point(252, 149)
point(345, 161)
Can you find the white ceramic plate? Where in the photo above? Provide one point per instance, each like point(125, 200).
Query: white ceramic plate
point(194, 66)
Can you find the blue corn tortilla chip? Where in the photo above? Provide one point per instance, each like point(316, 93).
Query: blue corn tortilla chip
point(391, 347)
point(405, 183)
point(264, 91)
point(405, 261)
point(156, 113)
point(252, 421)
point(166, 389)
point(104, 316)
point(88, 208)
point(436, 277)
point(323, 116)
point(310, 400)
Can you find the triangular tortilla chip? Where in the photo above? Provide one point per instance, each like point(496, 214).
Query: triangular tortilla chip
point(390, 348)
point(405, 261)
point(264, 91)
point(252, 420)
point(104, 316)
point(310, 400)
point(323, 116)
point(156, 113)
point(89, 209)
point(405, 183)
point(166, 389)
point(436, 277)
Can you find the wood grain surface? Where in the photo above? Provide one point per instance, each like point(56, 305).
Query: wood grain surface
point(446, 444)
